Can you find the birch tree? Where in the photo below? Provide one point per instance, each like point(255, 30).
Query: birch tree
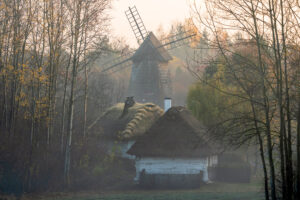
point(87, 18)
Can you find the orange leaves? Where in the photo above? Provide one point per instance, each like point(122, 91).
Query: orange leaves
point(222, 38)
point(43, 78)
point(193, 29)
point(22, 99)
point(5, 8)
point(27, 78)
point(9, 68)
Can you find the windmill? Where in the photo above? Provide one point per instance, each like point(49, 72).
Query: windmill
point(150, 79)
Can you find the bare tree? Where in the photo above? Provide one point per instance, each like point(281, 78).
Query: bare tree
point(84, 30)
point(270, 28)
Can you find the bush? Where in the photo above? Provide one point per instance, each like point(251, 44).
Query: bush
point(231, 172)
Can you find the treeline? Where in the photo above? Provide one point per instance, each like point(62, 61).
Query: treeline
point(249, 92)
point(50, 92)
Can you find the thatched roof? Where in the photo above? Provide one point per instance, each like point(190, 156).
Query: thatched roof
point(136, 122)
point(152, 46)
point(176, 134)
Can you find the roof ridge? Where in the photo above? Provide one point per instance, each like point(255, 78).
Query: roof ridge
point(138, 116)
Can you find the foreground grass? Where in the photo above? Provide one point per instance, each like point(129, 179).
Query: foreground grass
point(215, 191)
point(176, 196)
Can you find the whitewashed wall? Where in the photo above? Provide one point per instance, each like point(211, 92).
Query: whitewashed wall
point(212, 160)
point(125, 146)
point(120, 148)
point(172, 166)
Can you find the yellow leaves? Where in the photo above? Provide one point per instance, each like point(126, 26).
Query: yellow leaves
point(24, 103)
point(43, 78)
point(218, 77)
point(22, 94)
point(40, 69)
point(192, 28)
point(25, 66)
point(56, 54)
point(24, 74)
point(10, 68)
point(27, 114)
point(4, 7)
point(22, 98)
point(3, 72)
point(21, 78)
point(7, 70)
point(26, 79)
point(223, 37)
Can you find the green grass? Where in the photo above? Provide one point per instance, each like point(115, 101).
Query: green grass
point(176, 196)
point(215, 191)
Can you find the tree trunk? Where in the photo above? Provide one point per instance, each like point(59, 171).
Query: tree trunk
point(298, 152)
point(266, 108)
point(75, 60)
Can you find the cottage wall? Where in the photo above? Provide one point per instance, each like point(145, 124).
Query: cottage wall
point(212, 161)
point(125, 146)
point(121, 148)
point(172, 166)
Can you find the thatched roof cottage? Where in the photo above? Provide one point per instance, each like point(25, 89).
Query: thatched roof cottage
point(123, 123)
point(175, 151)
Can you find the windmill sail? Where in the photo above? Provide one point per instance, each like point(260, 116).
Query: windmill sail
point(136, 24)
point(150, 78)
point(118, 63)
point(148, 61)
point(177, 40)
point(171, 42)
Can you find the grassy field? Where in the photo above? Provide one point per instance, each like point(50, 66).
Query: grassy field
point(215, 191)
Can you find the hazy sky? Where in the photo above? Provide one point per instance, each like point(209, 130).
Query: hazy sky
point(153, 12)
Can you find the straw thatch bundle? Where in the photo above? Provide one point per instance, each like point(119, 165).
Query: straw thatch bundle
point(136, 122)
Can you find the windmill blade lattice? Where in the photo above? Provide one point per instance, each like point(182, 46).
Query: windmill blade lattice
point(177, 40)
point(136, 24)
point(141, 34)
point(169, 43)
point(118, 63)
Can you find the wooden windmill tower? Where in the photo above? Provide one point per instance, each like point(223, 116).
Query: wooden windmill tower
point(150, 79)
